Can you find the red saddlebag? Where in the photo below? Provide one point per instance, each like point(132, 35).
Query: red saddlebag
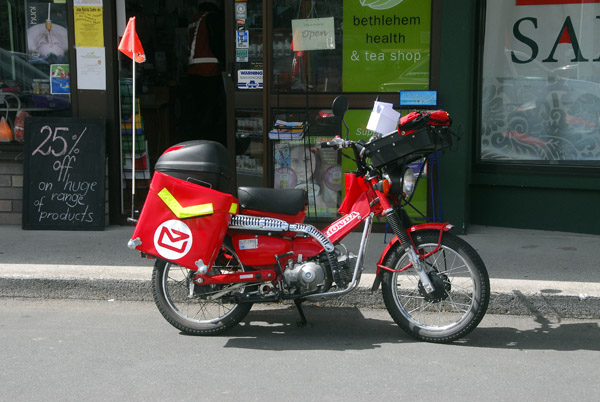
point(182, 222)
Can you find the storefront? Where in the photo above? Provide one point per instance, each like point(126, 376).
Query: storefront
point(526, 152)
point(56, 62)
point(537, 155)
point(285, 62)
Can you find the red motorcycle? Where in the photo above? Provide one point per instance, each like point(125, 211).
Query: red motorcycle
point(217, 254)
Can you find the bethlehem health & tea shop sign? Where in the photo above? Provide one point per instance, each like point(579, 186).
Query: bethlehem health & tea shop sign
point(386, 45)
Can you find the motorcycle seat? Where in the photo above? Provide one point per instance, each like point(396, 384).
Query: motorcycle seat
point(282, 201)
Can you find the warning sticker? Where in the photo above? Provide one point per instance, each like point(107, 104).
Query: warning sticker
point(250, 79)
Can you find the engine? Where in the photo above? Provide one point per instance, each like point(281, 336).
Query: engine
point(307, 276)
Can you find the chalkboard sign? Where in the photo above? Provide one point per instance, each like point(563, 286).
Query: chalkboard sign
point(64, 173)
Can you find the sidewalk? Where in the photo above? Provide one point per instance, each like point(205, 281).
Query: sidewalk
point(531, 272)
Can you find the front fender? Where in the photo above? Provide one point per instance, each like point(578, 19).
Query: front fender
point(442, 227)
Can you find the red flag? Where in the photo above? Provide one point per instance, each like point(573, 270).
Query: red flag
point(130, 43)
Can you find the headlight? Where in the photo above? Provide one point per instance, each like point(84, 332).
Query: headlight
point(408, 182)
point(402, 181)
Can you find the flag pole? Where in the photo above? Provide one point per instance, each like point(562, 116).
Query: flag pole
point(133, 123)
point(133, 49)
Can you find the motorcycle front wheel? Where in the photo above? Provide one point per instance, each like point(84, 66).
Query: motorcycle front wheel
point(199, 310)
point(462, 289)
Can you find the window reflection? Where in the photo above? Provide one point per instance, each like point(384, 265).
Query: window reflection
point(540, 95)
point(300, 71)
point(34, 61)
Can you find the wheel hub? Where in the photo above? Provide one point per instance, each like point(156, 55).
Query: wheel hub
point(441, 285)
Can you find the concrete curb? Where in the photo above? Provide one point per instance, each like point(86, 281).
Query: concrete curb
point(83, 289)
point(531, 272)
point(507, 302)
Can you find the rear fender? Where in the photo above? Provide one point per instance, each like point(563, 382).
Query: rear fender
point(441, 227)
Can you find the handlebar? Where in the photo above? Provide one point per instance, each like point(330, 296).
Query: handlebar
point(356, 146)
point(337, 142)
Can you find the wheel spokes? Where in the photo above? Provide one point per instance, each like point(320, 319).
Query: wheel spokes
point(457, 300)
point(197, 307)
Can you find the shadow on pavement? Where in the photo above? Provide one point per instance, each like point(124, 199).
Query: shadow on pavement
point(560, 337)
point(345, 328)
point(551, 334)
point(339, 328)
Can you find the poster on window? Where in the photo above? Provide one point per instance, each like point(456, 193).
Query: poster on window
point(386, 45)
point(47, 37)
point(60, 79)
point(302, 165)
point(541, 82)
point(89, 31)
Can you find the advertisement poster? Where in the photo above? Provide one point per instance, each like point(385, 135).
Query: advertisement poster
point(60, 79)
point(303, 166)
point(541, 82)
point(89, 31)
point(47, 37)
point(91, 68)
point(386, 45)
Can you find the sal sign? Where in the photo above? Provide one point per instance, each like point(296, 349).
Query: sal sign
point(553, 34)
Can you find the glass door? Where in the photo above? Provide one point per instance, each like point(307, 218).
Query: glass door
point(244, 81)
point(305, 69)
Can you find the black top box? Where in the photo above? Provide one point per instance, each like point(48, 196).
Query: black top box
point(201, 162)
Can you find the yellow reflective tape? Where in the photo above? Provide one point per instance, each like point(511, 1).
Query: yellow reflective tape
point(181, 212)
point(233, 209)
point(196, 210)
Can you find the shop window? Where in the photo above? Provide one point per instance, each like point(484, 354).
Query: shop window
point(351, 46)
point(299, 69)
point(34, 63)
point(249, 146)
point(299, 163)
point(540, 100)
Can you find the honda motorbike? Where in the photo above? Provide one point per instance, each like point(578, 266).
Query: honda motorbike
point(219, 250)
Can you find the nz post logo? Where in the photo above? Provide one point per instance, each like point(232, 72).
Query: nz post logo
point(173, 239)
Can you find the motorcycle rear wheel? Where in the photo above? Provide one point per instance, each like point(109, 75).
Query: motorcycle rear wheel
point(197, 315)
point(460, 301)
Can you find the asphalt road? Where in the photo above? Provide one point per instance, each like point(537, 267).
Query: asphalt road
point(74, 350)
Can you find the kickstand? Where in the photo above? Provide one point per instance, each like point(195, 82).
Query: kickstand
point(303, 321)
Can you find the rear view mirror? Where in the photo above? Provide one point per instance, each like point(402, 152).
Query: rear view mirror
point(340, 106)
